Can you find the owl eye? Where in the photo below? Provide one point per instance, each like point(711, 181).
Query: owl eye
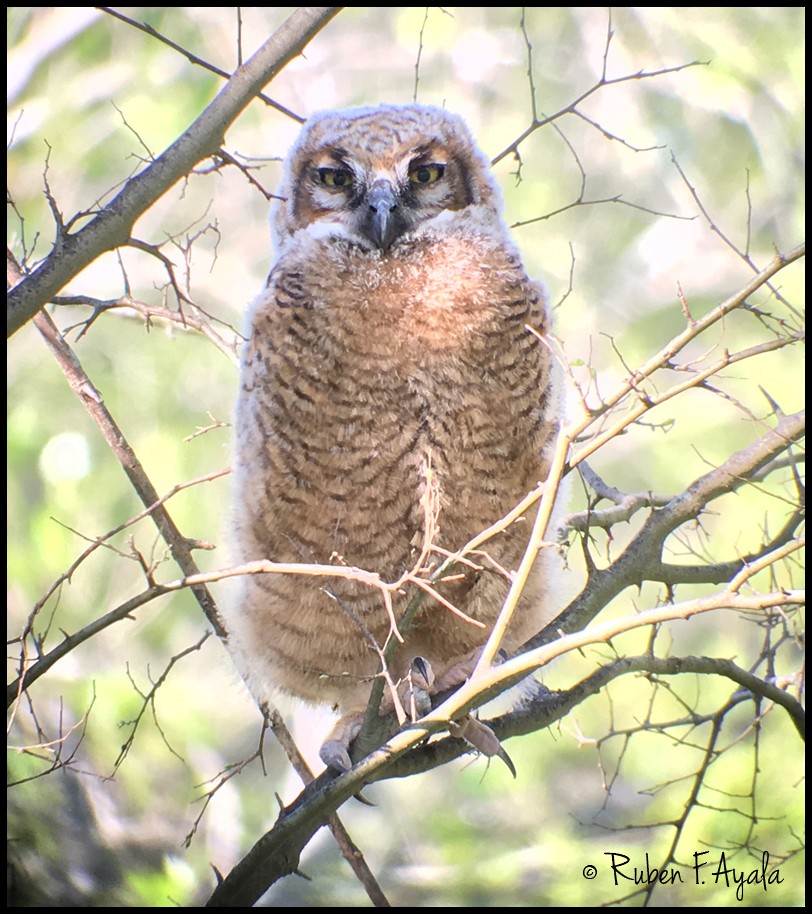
point(335, 177)
point(426, 174)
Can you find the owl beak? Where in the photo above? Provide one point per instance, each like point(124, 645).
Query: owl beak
point(383, 221)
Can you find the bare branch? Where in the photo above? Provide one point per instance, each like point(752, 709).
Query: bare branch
point(92, 401)
point(112, 226)
point(642, 557)
point(194, 59)
point(513, 148)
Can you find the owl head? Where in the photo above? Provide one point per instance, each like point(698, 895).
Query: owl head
point(373, 175)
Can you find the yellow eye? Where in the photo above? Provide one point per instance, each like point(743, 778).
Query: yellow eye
point(335, 177)
point(426, 174)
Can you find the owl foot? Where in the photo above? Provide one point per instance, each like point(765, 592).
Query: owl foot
point(413, 694)
point(473, 731)
point(482, 738)
point(335, 750)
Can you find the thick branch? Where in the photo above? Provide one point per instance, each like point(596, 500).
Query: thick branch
point(549, 707)
point(642, 557)
point(276, 854)
point(552, 707)
point(112, 226)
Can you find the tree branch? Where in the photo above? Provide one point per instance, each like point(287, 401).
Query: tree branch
point(111, 227)
point(642, 556)
point(277, 853)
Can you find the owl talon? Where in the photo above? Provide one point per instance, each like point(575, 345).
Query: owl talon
point(335, 756)
point(335, 750)
point(418, 687)
point(422, 673)
point(482, 738)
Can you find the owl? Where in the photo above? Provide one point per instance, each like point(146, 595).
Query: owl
point(396, 399)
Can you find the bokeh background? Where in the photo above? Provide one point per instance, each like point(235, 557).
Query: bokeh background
point(94, 98)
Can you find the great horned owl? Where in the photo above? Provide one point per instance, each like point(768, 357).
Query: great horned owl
point(389, 354)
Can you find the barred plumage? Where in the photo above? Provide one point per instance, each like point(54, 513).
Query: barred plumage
point(389, 347)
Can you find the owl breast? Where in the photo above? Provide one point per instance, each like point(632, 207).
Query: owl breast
point(377, 370)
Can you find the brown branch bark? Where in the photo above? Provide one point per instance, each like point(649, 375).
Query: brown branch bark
point(642, 558)
point(112, 226)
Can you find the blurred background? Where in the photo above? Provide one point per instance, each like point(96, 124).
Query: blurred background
point(94, 98)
